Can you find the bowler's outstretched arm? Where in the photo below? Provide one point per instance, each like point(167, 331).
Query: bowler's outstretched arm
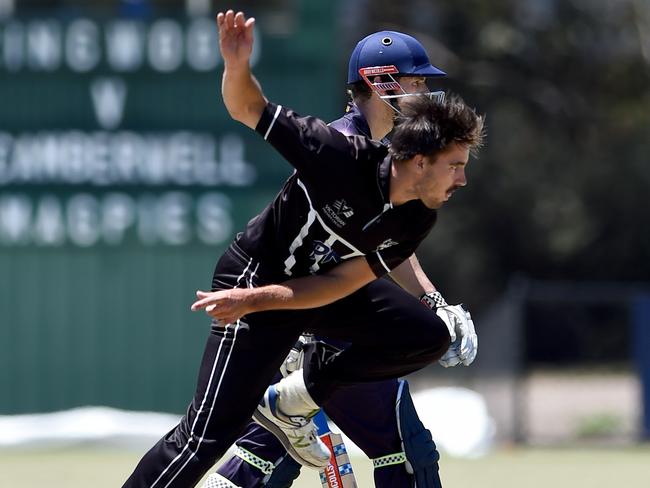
point(241, 92)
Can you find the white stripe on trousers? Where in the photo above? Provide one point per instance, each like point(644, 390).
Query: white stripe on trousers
point(205, 397)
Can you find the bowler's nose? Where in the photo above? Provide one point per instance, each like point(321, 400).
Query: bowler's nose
point(461, 179)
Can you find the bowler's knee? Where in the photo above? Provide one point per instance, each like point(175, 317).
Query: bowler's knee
point(437, 338)
point(444, 337)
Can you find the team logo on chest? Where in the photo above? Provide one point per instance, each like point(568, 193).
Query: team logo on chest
point(323, 254)
point(338, 212)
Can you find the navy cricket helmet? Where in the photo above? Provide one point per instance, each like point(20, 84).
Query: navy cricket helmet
point(391, 48)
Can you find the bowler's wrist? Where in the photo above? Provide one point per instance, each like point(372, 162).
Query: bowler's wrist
point(237, 68)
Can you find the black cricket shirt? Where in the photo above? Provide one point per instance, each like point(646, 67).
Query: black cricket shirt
point(336, 204)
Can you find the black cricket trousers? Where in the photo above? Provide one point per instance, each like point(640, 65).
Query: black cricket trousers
point(391, 333)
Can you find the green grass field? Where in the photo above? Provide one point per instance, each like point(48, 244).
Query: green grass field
point(520, 468)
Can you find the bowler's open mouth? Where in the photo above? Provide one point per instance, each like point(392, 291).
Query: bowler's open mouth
point(451, 191)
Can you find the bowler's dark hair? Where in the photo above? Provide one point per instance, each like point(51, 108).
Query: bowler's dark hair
point(427, 126)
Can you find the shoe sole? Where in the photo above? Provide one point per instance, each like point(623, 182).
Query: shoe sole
point(261, 419)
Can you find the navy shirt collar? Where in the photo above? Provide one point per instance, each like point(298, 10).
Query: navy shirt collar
point(359, 122)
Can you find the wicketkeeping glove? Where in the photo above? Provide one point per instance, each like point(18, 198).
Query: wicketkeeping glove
point(296, 357)
point(307, 349)
point(464, 341)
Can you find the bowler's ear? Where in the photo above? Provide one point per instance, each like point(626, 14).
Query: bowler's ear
point(418, 159)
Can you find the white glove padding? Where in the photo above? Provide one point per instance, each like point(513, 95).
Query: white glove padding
point(464, 341)
point(296, 357)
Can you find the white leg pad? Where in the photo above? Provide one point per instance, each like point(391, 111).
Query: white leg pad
point(217, 481)
point(294, 399)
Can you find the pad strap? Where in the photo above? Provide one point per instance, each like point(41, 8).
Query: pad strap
point(389, 460)
point(265, 467)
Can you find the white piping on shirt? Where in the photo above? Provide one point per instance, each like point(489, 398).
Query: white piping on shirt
point(277, 112)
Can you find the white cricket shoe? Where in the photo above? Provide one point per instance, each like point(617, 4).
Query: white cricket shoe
point(296, 433)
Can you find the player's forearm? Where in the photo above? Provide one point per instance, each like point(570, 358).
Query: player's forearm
point(230, 305)
point(300, 293)
point(410, 276)
point(242, 94)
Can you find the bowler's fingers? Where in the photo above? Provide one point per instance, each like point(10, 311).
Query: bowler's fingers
point(222, 26)
point(231, 24)
point(222, 316)
point(244, 27)
point(249, 29)
point(225, 22)
point(240, 20)
point(230, 20)
point(203, 302)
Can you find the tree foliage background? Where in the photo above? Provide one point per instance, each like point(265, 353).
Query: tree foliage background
point(561, 189)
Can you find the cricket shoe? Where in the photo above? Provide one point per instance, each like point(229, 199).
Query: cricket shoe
point(297, 433)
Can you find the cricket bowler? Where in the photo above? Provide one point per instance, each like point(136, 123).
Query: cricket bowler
point(376, 415)
point(303, 264)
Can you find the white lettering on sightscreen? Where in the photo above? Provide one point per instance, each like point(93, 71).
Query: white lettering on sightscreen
point(124, 158)
point(82, 45)
point(109, 97)
point(165, 46)
point(84, 219)
point(44, 45)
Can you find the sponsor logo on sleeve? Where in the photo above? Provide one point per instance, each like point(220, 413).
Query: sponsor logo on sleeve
point(338, 212)
point(386, 244)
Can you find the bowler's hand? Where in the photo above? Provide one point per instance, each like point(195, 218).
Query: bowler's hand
point(235, 38)
point(225, 306)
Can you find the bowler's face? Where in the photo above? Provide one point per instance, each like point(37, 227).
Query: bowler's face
point(442, 177)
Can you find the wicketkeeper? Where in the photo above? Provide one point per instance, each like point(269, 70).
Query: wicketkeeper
point(351, 213)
